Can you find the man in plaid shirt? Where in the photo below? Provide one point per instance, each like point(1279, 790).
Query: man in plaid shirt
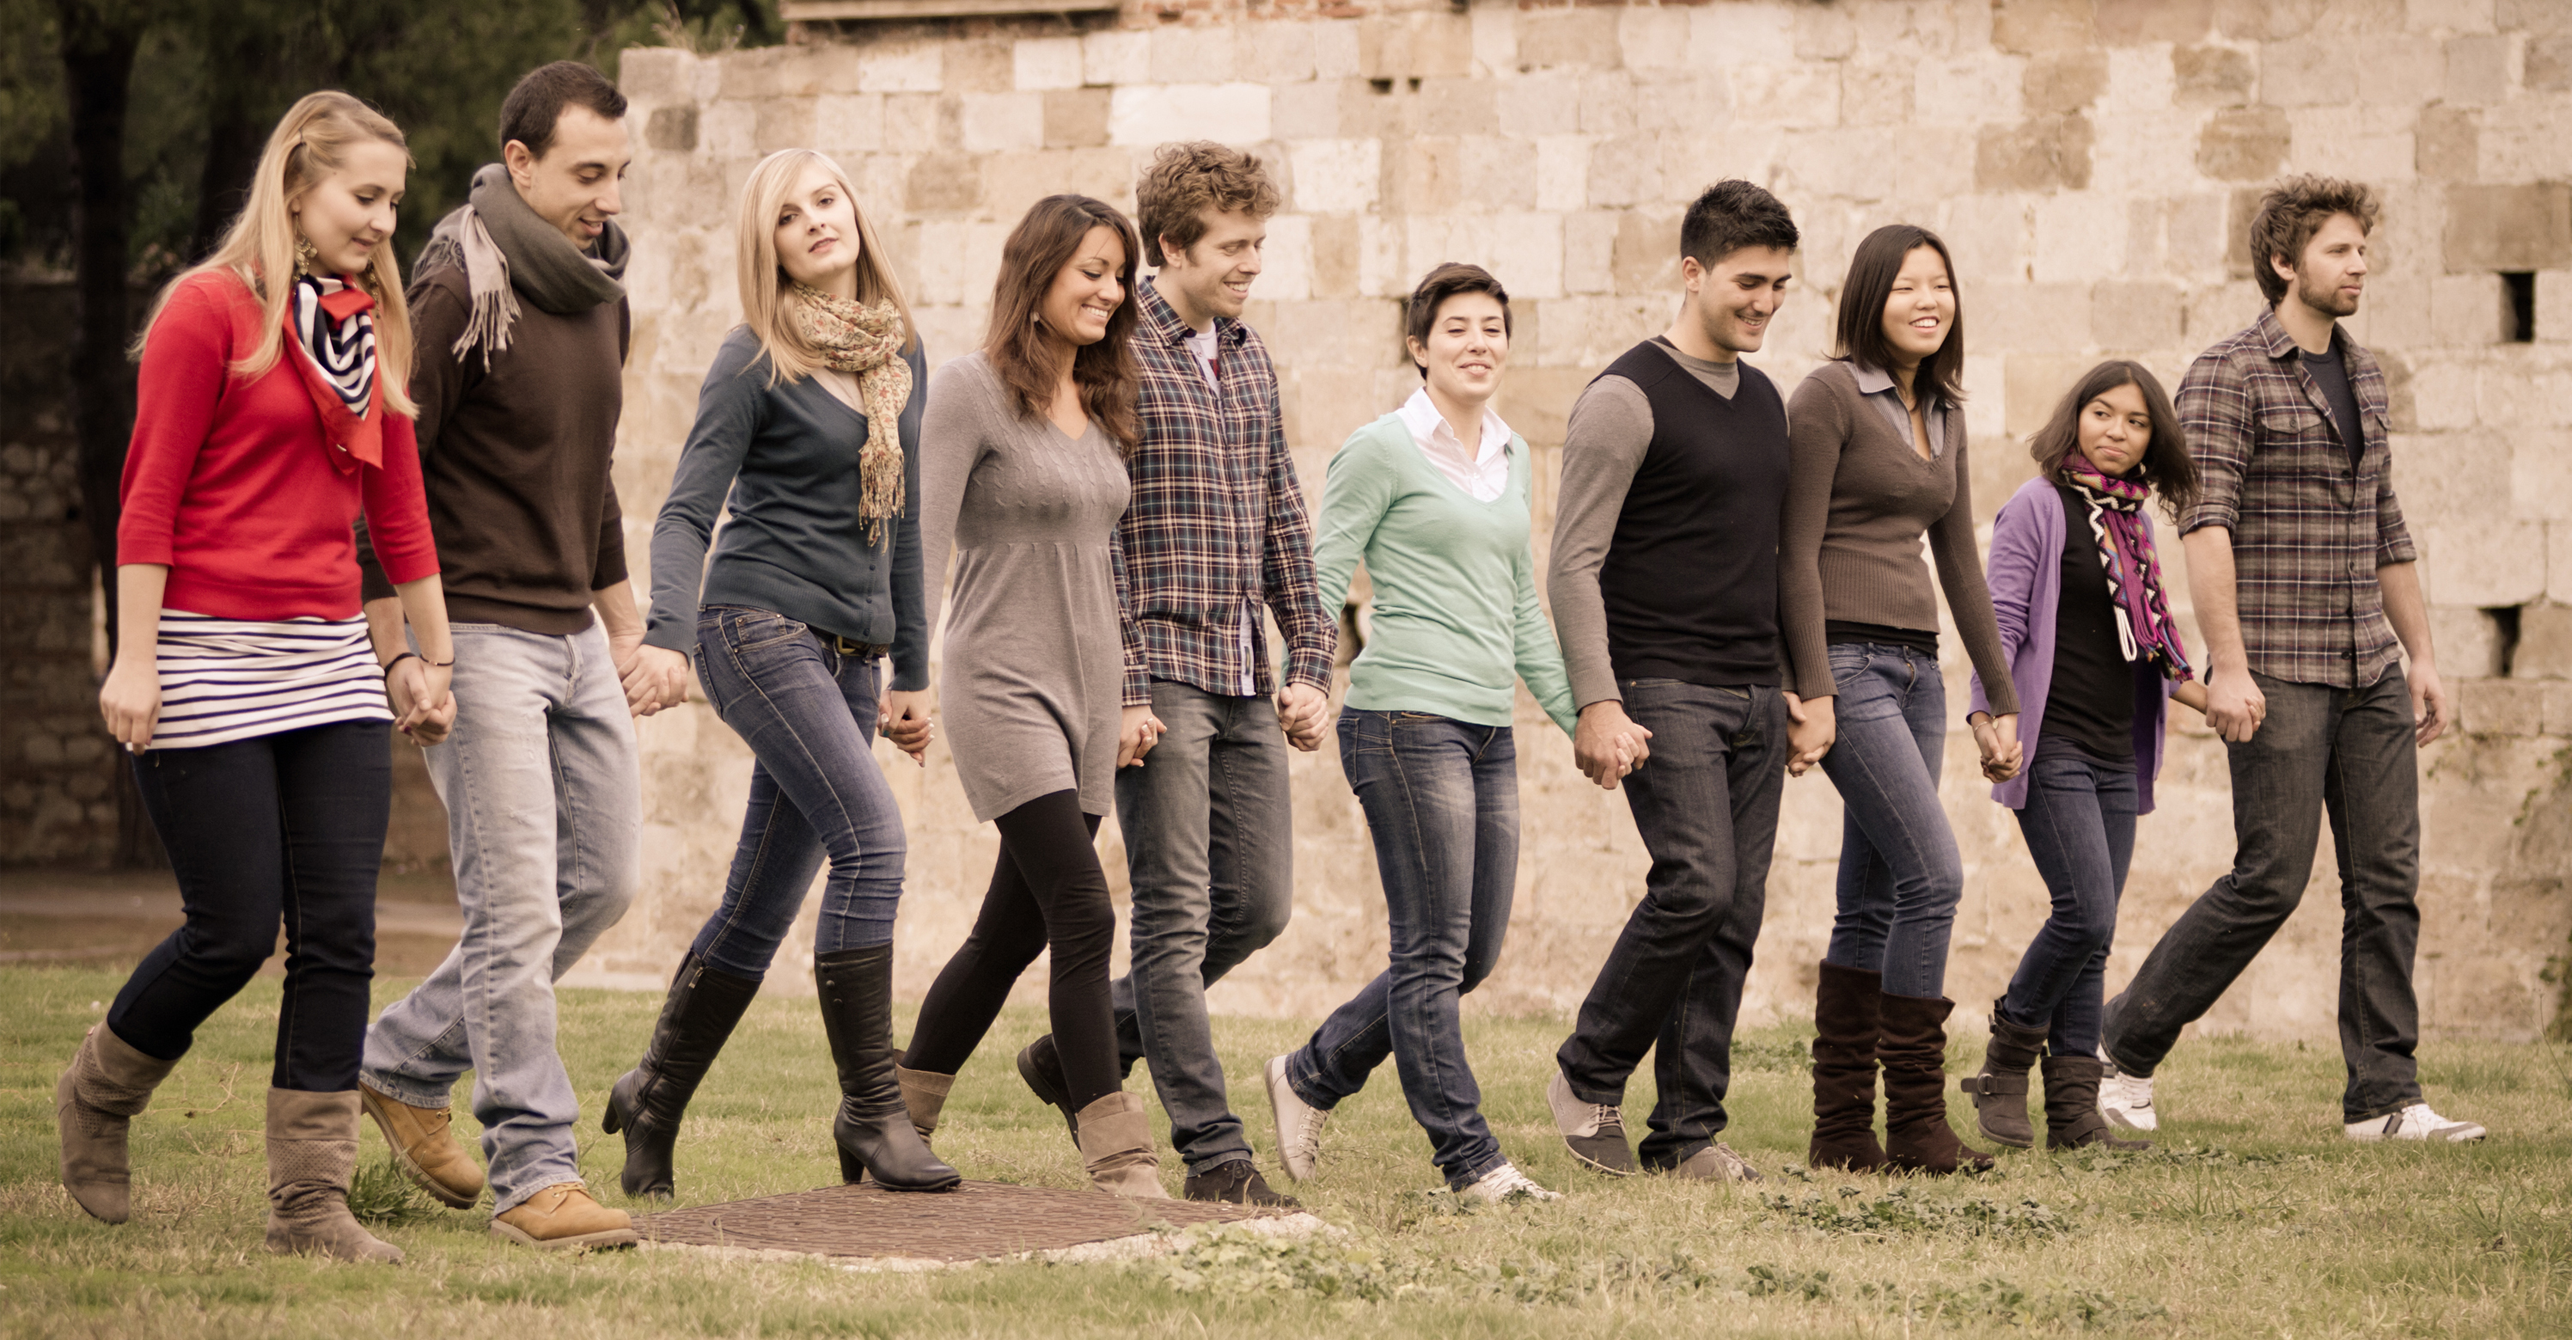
point(1215, 539)
point(2302, 573)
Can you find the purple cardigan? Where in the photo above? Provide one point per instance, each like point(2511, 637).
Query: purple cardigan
point(2027, 585)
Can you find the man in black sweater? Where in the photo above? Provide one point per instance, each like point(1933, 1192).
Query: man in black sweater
point(1664, 585)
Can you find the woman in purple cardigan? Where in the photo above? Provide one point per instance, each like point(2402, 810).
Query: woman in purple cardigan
point(2095, 657)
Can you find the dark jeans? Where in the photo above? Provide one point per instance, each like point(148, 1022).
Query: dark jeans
point(1441, 802)
point(1210, 851)
point(2350, 753)
point(1047, 892)
point(1706, 804)
point(808, 715)
point(281, 829)
point(1900, 872)
point(2079, 825)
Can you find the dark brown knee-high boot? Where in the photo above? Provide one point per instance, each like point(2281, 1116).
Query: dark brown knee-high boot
point(1844, 1020)
point(1912, 1044)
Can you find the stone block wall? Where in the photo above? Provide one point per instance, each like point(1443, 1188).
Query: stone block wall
point(2092, 163)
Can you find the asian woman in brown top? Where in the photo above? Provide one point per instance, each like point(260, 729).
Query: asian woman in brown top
point(1878, 460)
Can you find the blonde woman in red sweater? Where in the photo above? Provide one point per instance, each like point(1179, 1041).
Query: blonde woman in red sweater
point(271, 416)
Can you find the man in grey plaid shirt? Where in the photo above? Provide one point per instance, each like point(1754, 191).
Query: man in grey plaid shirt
point(1215, 540)
point(2302, 572)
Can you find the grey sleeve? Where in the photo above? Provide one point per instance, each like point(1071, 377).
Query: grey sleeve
point(1603, 445)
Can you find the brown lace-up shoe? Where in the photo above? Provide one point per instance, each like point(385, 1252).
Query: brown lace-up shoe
point(424, 1148)
point(563, 1215)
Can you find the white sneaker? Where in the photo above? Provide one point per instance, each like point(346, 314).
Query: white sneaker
point(1505, 1182)
point(2123, 1099)
point(1299, 1124)
point(2415, 1122)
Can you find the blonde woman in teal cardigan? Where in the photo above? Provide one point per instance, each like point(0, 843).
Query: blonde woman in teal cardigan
point(1434, 497)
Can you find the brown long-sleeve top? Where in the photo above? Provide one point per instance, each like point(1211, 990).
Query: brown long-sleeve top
point(1858, 501)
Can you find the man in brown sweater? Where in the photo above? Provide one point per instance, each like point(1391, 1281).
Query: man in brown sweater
point(521, 321)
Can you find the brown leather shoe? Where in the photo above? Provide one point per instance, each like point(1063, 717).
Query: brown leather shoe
point(423, 1147)
point(563, 1215)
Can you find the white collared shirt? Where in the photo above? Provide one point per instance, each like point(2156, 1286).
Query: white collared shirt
point(1483, 472)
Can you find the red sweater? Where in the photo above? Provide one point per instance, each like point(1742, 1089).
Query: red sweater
point(231, 483)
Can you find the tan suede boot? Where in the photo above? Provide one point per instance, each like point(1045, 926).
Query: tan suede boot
point(95, 1102)
point(924, 1093)
point(564, 1215)
point(1116, 1148)
point(425, 1148)
point(312, 1152)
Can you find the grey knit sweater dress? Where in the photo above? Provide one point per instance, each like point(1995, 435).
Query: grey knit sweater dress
point(1037, 635)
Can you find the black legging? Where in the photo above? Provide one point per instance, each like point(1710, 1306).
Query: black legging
point(1047, 891)
point(284, 829)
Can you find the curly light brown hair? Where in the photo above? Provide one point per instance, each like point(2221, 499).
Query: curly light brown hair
point(2291, 213)
point(1192, 176)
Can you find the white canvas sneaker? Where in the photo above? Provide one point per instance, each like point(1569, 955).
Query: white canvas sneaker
point(2415, 1122)
point(1299, 1124)
point(1505, 1182)
point(2123, 1099)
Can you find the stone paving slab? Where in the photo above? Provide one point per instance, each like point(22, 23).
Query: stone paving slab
point(976, 1221)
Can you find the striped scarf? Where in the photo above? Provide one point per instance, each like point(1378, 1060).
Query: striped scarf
point(334, 324)
point(2145, 629)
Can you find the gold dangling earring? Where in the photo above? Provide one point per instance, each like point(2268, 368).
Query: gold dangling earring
point(305, 255)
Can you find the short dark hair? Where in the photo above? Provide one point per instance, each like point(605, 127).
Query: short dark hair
point(2166, 467)
point(1190, 177)
point(2291, 213)
point(1869, 286)
point(535, 105)
point(1420, 315)
point(1731, 215)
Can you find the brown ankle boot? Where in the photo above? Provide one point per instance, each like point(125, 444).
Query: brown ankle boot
point(1116, 1148)
point(2072, 1116)
point(1912, 1045)
point(2000, 1089)
point(924, 1095)
point(1844, 1019)
point(312, 1152)
point(95, 1102)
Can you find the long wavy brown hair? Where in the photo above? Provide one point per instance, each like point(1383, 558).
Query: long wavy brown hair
point(2166, 467)
point(1027, 357)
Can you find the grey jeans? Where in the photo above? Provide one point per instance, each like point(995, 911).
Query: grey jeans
point(1210, 851)
point(2350, 753)
point(544, 811)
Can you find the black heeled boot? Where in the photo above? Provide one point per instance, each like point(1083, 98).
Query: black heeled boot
point(873, 1128)
point(647, 1101)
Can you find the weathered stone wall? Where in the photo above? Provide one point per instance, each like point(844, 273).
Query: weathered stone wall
point(2091, 163)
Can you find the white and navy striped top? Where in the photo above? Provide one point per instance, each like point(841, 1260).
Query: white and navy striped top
point(224, 680)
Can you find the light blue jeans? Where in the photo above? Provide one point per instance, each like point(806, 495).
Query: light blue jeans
point(544, 812)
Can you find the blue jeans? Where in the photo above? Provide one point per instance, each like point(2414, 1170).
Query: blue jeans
point(1441, 802)
point(1210, 850)
point(1900, 872)
point(544, 807)
point(2079, 824)
point(808, 714)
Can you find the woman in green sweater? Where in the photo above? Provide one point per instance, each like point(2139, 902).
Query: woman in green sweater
point(1434, 497)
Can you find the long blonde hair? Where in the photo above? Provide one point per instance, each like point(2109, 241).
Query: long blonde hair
point(766, 306)
point(307, 146)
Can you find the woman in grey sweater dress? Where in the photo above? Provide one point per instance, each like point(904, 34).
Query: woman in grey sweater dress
point(1022, 470)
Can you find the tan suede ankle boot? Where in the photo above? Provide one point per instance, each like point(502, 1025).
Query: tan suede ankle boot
point(924, 1093)
point(312, 1153)
point(1116, 1148)
point(95, 1103)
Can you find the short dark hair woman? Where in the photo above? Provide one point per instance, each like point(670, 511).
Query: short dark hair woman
point(1022, 469)
point(271, 415)
point(1878, 460)
point(2094, 657)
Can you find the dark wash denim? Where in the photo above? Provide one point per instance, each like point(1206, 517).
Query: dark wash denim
point(1210, 853)
point(2079, 826)
point(1900, 872)
point(284, 829)
point(1706, 804)
point(2349, 753)
point(1441, 802)
point(808, 714)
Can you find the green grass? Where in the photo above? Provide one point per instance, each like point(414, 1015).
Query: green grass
point(2253, 1218)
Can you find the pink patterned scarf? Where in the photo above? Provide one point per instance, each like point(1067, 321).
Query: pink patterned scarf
point(2124, 535)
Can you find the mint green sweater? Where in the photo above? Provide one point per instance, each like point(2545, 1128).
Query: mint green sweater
point(1456, 618)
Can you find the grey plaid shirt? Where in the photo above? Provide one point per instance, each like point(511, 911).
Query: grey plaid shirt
point(1217, 528)
point(2309, 530)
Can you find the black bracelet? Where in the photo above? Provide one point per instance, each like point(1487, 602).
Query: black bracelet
point(405, 656)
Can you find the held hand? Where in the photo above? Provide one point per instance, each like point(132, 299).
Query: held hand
point(130, 700)
point(423, 706)
point(1812, 726)
point(624, 651)
point(1301, 712)
point(2430, 707)
point(2234, 705)
point(2012, 756)
point(1997, 742)
point(655, 678)
point(909, 720)
point(1607, 744)
point(1141, 730)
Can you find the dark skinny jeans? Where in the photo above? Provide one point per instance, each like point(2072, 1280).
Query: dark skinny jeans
point(284, 829)
point(1900, 872)
point(2079, 825)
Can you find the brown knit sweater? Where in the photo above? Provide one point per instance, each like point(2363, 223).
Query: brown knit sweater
point(1857, 502)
